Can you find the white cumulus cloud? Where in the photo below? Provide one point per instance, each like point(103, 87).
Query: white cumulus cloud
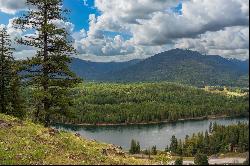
point(12, 6)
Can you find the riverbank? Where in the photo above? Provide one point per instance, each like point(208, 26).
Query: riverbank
point(150, 123)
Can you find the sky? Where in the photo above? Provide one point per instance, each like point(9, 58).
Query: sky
point(122, 30)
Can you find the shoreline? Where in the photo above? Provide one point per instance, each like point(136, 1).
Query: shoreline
point(150, 123)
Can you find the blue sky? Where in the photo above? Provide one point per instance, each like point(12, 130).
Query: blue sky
point(121, 30)
point(5, 18)
point(79, 15)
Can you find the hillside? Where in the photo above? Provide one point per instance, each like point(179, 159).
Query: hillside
point(110, 103)
point(93, 71)
point(25, 143)
point(182, 66)
point(187, 67)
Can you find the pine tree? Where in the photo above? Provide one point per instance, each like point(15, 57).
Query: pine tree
point(48, 70)
point(174, 144)
point(138, 147)
point(16, 100)
point(154, 150)
point(6, 59)
point(179, 147)
point(10, 100)
point(133, 147)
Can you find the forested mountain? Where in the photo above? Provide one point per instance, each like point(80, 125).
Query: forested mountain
point(183, 66)
point(93, 71)
point(187, 67)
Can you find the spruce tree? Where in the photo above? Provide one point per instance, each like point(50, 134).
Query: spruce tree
point(48, 70)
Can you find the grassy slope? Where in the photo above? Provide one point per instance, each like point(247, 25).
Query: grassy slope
point(23, 142)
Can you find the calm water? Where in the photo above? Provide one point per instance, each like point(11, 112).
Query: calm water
point(147, 135)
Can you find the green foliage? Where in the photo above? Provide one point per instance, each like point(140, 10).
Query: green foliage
point(148, 102)
point(135, 147)
point(201, 159)
point(179, 161)
point(174, 144)
point(10, 99)
point(154, 150)
point(48, 70)
point(163, 158)
point(222, 139)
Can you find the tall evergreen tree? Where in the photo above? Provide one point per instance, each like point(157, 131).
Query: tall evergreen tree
point(174, 144)
point(48, 70)
point(134, 147)
point(6, 59)
point(10, 100)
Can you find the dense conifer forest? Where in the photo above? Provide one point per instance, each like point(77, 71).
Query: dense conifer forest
point(148, 102)
point(220, 139)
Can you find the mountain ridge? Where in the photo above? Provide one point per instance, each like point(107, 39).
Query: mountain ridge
point(177, 65)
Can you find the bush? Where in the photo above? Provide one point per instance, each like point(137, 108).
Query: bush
point(179, 161)
point(201, 159)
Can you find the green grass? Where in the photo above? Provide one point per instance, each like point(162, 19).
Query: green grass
point(23, 142)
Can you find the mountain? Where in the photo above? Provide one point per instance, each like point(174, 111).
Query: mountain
point(93, 71)
point(182, 66)
point(187, 67)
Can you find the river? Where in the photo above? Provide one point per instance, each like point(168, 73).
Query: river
point(147, 135)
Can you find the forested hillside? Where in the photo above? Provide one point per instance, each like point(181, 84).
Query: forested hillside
point(148, 102)
point(93, 71)
point(220, 139)
point(182, 66)
point(187, 67)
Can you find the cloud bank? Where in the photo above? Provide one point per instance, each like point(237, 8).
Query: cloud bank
point(136, 29)
point(208, 26)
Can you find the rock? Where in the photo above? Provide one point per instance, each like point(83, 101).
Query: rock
point(104, 152)
point(78, 135)
point(4, 124)
point(53, 132)
point(113, 150)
